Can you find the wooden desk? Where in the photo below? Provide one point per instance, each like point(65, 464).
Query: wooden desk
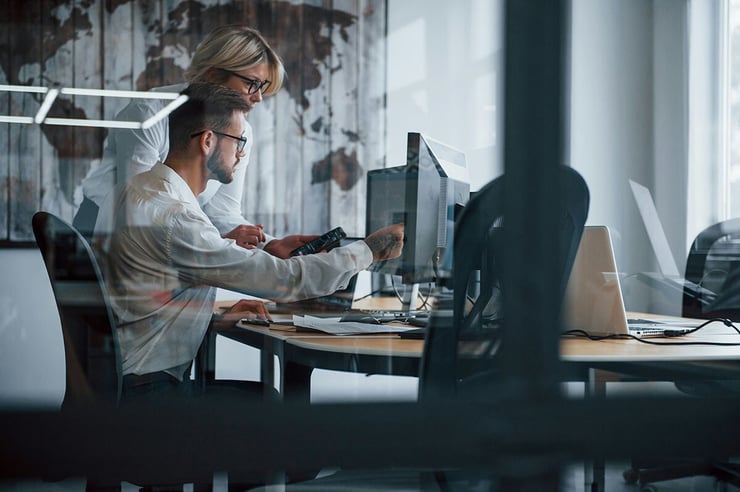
point(662, 358)
point(596, 362)
point(592, 362)
point(301, 352)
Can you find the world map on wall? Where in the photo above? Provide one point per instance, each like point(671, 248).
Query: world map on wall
point(40, 31)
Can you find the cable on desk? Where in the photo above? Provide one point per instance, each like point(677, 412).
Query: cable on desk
point(724, 321)
point(369, 295)
point(424, 300)
point(667, 334)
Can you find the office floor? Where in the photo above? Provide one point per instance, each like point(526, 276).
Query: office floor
point(572, 481)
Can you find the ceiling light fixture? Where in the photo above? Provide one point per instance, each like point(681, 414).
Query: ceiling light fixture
point(51, 93)
point(45, 106)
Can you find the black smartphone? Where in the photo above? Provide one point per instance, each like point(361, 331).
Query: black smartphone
point(323, 242)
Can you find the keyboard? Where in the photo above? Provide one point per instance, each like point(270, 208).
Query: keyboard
point(379, 316)
point(655, 328)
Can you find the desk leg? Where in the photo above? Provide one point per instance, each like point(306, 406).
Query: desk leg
point(595, 471)
point(205, 360)
point(270, 349)
point(297, 383)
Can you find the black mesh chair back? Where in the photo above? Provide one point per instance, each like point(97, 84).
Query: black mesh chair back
point(461, 342)
point(713, 273)
point(92, 356)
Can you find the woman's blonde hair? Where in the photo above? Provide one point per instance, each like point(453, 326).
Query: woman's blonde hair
point(234, 48)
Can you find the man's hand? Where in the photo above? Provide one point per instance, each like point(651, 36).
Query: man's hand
point(282, 247)
point(386, 243)
point(247, 236)
point(251, 309)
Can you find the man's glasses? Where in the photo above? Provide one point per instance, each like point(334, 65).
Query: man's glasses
point(254, 84)
point(239, 147)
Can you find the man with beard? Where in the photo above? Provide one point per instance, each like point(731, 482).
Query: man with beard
point(163, 258)
point(234, 56)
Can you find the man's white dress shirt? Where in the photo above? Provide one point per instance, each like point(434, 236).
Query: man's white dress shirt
point(163, 259)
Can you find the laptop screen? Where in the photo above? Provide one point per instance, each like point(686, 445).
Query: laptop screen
point(656, 234)
point(340, 300)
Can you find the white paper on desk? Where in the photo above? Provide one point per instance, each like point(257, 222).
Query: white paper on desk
point(334, 326)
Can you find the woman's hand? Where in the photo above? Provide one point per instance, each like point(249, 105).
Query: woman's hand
point(247, 236)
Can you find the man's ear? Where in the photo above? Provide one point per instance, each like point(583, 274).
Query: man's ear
point(207, 142)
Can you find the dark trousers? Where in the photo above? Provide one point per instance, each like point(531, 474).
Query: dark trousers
point(154, 387)
point(161, 387)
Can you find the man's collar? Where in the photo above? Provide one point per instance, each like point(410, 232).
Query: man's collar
point(178, 183)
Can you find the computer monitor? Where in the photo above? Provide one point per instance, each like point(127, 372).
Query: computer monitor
point(386, 205)
point(425, 195)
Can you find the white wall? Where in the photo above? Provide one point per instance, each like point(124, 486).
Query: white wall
point(629, 121)
point(628, 113)
point(611, 107)
point(445, 80)
point(31, 352)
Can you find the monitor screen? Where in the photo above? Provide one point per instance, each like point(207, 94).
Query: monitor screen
point(425, 195)
point(386, 191)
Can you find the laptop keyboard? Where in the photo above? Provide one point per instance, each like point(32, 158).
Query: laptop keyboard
point(646, 322)
point(379, 316)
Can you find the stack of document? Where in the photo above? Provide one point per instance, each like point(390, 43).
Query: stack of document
point(334, 326)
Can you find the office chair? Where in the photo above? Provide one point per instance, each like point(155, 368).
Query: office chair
point(91, 350)
point(712, 290)
point(91, 347)
point(448, 369)
point(462, 359)
point(459, 359)
point(713, 264)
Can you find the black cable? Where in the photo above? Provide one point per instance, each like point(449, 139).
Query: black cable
point(667, 331)
point(724, 321)
point(425, 300)
point(395, 290)
point(369, 295)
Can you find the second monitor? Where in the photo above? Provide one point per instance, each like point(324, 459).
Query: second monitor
point(425, 195)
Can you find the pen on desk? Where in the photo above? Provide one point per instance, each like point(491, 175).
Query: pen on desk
point(256, 321)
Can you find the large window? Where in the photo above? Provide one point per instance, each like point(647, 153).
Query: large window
point(733, 99)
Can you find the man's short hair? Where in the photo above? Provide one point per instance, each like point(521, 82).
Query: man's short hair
point(209, 107)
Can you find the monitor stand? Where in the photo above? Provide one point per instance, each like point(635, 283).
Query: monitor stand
point(410, 298)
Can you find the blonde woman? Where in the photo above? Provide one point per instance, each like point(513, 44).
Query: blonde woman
point(233, 56)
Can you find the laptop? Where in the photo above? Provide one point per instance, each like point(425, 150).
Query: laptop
point(656, 234)
point(593, 298)
point(336, 302)
point(669, 277)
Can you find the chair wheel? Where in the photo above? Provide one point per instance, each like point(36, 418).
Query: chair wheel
point(648, 488)
point(630, 476)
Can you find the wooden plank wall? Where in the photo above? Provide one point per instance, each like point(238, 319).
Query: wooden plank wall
point(314, 140)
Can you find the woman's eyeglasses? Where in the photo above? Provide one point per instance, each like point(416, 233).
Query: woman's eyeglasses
point(254, 84)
